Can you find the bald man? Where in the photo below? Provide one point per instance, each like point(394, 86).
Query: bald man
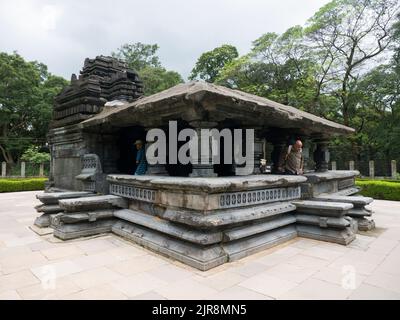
point(294, 159)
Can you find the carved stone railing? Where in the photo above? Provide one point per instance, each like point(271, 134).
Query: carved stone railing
point(92, 176)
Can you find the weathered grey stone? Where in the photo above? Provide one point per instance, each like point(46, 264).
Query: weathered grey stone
point(83, 229)
point(200, 257)
point(357, 201)
point(359, 212)
point(76, 217)
point(320, 208)
point(323, 222)
point(52, 198)
point(246, 246)
point(365, 224)
point(340, 236)
point(93, 203)
point(316, 177)
point(226, 217)
point(258, 227)
point(219, 103)
point(52, 208)
point(209, 184)
point(42, 221)
point(347, 191)
point(173, 229)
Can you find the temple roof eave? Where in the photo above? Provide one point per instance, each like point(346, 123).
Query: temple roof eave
point(194, 99)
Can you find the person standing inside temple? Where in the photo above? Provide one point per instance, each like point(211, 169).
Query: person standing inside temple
point(292, 162)
point(141, 162)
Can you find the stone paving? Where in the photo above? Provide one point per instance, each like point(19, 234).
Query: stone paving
point(108, 267)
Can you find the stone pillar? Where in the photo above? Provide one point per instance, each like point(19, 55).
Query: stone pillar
point(394, 169)
point(334, 166)
point(371, 165)
point(321, 155)
point(154, 169)
point(23, 169)
point(279, 147)
point(204, 166)
point(258, 152)
point(41, 170)
point(351, 165)
point(3, 169)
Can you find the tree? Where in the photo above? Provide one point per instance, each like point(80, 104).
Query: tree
point(351, 33)
point(210, 63)
point(144, 60)
point(278, 67)
point(138, 55)
point(27, 90)
point(33, 155)
point(158, 79)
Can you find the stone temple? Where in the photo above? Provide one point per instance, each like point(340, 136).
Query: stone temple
point(201, 214)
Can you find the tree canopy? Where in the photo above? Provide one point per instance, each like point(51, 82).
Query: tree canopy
point(210, 63)
point(27, 91)
point(144, 60)
point(332, 67)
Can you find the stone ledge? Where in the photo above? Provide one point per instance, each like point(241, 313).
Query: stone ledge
point(315, 177)
point(207, 185)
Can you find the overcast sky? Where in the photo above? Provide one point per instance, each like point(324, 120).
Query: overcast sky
point(62, 34)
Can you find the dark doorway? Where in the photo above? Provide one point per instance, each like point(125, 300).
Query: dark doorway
point(127, 157)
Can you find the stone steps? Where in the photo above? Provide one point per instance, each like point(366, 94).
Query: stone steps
point(246, 246)
point(197, 256)
point(227, 216)
point(359, 212)
point(86, 216)
point(54, 197)
point(325, 220)
point(322, 208)
point(357, 201)
point(202, 237)
point(50, 204)
point(93, 203)
point(258, 227)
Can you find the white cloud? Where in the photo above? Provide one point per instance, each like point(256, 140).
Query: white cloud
point(62, 34)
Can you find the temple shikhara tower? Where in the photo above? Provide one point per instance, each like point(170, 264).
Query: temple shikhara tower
point(202, 214)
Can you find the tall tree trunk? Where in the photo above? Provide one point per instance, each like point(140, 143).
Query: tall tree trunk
point(6, 155)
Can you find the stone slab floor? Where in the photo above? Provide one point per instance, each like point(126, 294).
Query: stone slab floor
point(108, 267)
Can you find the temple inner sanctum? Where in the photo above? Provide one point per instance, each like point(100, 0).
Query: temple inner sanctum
point(200, 213)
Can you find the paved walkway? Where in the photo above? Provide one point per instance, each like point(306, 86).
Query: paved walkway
point(107, 267)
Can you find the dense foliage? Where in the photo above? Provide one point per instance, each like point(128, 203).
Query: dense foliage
point(27, 91)
point(343, 65)
point(210, 63)
point(380, 189)
point(33, 155)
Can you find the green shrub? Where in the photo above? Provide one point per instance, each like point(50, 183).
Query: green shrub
point(14, 185)
point(379, 189)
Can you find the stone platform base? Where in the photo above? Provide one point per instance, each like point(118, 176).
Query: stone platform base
point(202, 257)
point(205, 222)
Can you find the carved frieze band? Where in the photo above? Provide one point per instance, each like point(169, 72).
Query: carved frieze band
point(133, 192)
point(249, 198)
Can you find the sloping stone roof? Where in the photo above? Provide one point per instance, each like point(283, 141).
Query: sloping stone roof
point(216, 99)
